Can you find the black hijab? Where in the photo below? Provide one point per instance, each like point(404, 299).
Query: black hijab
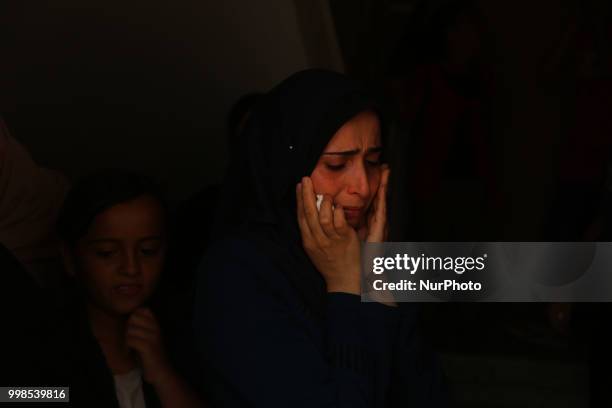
point(284, 137)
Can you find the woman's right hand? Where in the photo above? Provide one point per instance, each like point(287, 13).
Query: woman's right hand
point(330, 242)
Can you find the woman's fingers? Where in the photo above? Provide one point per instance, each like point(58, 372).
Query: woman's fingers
point(326, 218)
point(384, 201)
point(378, 221)
point(381, 212)
point(301, 216)
point(311, 213)
point(384, 181)
point(382, 192)
point(318, 225)
point(340, 224)
point(330, 243)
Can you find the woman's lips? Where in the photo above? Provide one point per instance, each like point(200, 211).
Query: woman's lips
point(128, 290)
point(352, 212)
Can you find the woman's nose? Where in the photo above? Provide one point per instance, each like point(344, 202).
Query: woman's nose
point(358, 182)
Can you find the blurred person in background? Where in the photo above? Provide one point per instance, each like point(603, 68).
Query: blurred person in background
point(440, 86)
point(30, 198)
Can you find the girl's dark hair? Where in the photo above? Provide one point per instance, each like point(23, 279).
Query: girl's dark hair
point(96, 193)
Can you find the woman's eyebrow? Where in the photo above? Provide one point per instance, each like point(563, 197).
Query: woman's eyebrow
point(115, 241)
point(102, 241)
point(354, 151)
point(151, 238)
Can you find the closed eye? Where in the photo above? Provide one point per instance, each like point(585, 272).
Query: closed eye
point(335, 167)
point(150, 251)
point(105, 254)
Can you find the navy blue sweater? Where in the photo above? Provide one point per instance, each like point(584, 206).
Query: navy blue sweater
point(261, 348)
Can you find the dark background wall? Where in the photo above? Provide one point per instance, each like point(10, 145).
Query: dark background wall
point(530, 49)
point(143, 84)
point(147, 84)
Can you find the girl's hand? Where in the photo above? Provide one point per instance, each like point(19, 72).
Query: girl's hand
point(376, 228)
point(330, 242)
point(144, 336)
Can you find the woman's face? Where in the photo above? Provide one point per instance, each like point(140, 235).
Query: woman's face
point(120, 259)
point(349, 169)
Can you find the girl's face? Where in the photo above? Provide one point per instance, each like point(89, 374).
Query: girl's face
point(349, 170)
point(120, 259)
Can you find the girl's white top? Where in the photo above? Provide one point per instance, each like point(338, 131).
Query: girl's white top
point(129, 391)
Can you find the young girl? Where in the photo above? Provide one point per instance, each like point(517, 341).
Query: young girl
point(113, 231)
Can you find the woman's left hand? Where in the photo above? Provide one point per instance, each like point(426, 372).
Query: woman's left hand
point(144, 336)
point(375, 229)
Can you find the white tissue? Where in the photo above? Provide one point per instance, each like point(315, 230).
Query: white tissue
point(319, 201)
